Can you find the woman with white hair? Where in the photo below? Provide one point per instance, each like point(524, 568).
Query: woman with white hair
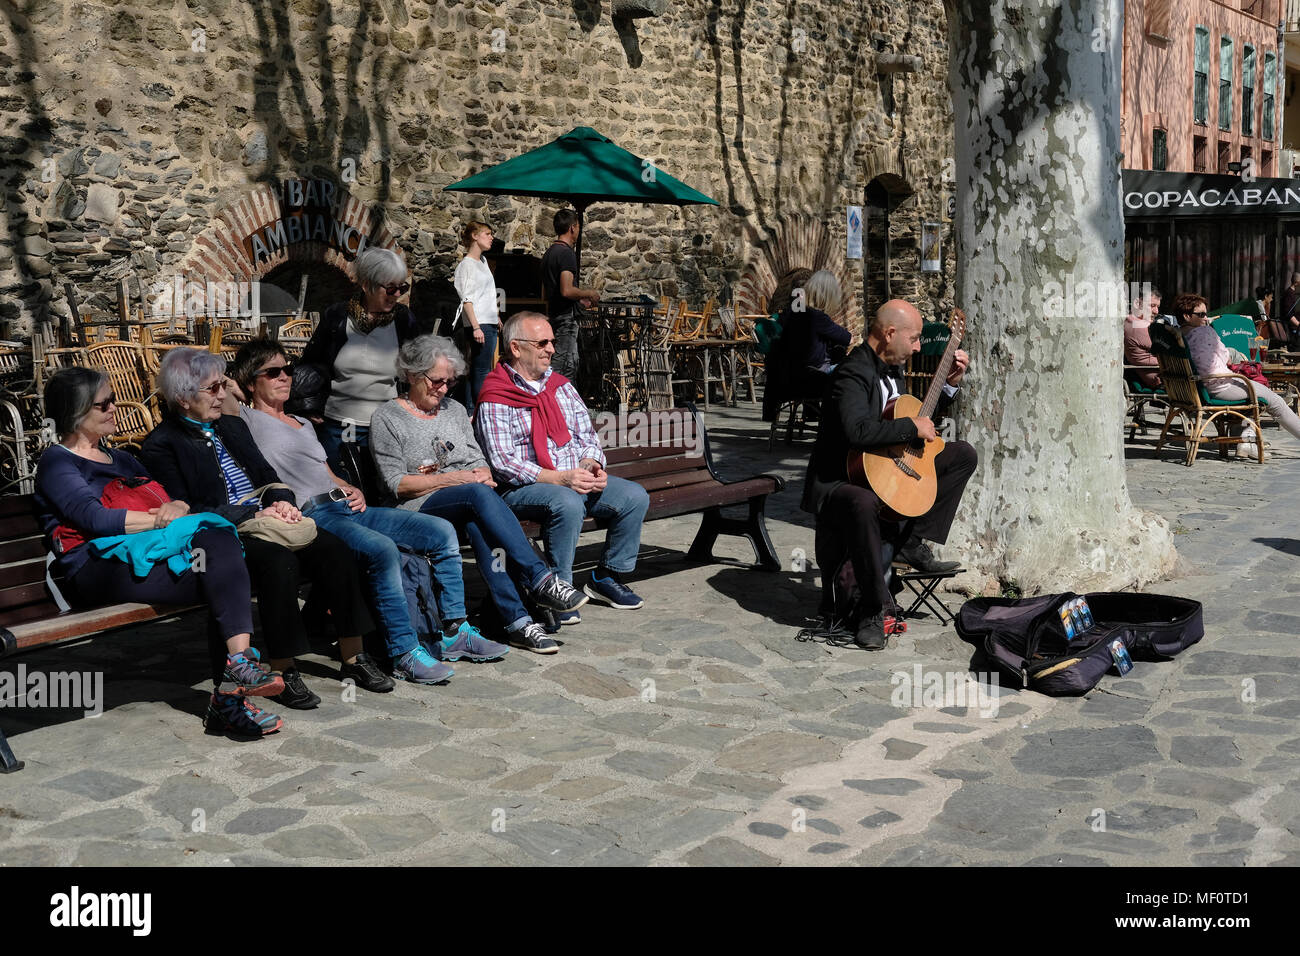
point(210, 460)
point(356, 343)
point(427, 457)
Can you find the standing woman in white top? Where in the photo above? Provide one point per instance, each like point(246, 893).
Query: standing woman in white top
point(479, 323)
point(355, 346)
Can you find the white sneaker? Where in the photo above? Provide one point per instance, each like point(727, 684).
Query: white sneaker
point(1248, 450)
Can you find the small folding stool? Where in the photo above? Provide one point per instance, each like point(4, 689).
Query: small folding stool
point(922, 585)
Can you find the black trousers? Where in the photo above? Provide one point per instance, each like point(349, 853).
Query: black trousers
point(222, 585)
point(855, 521)
point(277, 573)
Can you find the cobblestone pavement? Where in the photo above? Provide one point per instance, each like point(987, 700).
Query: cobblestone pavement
point(698, 731)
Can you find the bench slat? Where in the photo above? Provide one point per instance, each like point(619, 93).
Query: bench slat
point(81, 623)
point(19, 526)
point(635, 471)
point(22, 549)
point(17, 575)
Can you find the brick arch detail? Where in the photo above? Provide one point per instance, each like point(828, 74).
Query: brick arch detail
point(218, 254)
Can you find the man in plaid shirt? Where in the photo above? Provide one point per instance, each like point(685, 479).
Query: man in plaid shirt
point(537, 435)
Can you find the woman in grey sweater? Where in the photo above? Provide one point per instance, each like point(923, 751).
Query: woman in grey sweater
point(425, 452)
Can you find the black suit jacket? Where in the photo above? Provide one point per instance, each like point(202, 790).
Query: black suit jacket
point(184, 461)
point(851, 420)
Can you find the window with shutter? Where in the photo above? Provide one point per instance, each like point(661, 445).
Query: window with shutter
point(1201, 76)
point(1247, 90)
point(1225, 83)
point(1270, 81)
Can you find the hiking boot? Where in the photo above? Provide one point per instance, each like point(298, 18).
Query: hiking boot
point(233, 714)
point(420, 667)
point(559, 595)
point(532, 637)
point(244, 675)
point(918, 554)
point(871, 633)
point(365, 673)
point(296, 694)
point(613, 592)
point(468, 643)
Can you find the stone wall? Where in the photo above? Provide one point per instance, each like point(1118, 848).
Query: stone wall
point(127, 128)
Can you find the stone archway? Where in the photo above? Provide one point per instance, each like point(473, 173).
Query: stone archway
point(801, 246)
point(311, 223)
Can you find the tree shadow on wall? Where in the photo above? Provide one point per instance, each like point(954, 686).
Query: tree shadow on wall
point(588, 13)
point(341, 130)
point(19, 156)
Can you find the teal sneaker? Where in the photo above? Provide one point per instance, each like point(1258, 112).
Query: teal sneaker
point(419, 666)
point(468, 643)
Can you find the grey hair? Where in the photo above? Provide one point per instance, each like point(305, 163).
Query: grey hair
point(823, 292)
point(425, 351)
point(376, 267)
point(513, 329)
point(183, 371)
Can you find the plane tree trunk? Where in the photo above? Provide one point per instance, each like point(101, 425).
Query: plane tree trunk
point(1040, 238)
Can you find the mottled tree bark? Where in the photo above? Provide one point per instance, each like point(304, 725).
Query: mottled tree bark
point(1040, 236)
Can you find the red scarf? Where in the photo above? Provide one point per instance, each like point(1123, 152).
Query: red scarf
point(548, 418)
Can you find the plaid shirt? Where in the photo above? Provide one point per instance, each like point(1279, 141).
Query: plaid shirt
point(506, 435)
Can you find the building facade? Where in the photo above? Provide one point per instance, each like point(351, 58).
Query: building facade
point(223, 142)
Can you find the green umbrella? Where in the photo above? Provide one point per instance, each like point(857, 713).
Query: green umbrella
point(582, 167)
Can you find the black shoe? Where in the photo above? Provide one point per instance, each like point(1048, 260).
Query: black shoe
point(871, 633)
point(558, 595)
point(296, 695)
point(367, 676)
point(918, 554)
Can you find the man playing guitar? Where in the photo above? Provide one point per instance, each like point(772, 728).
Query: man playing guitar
point(850, 517)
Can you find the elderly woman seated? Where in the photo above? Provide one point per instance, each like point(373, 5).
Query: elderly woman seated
point(96, 545)
point(211, 461)
point(372, 534)
point(424, 449)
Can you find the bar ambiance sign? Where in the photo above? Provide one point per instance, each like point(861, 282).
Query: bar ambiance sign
point(1146, 194)
point(309, 212)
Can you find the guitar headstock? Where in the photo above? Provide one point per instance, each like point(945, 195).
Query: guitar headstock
point(957, 324)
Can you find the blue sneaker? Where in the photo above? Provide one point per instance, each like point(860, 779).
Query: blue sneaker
point(532, 637)
point(613, 592)
point(233, 714)
point(418, 666)
point(246, 676)
point(571, 617)
point(467, 642)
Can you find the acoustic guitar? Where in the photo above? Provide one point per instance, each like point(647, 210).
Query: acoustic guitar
point(902, 476)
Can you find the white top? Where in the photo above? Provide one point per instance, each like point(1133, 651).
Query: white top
point(365, 373)
point(476, 285)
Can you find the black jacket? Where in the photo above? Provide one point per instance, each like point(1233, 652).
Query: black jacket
point(326, 343)
point(184, 461)
point(851, 419)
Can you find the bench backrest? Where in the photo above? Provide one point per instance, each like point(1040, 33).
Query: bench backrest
point(23, 594)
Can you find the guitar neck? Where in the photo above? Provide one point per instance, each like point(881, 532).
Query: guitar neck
point(941, 375)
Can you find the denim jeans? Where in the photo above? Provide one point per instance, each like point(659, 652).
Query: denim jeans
point(560, 511)
point(373, 536)
point(330, 434)
point(565, 359)
point(481, 360)
point(500, 548)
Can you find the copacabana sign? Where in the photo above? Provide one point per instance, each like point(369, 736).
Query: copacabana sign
point(1162, 195)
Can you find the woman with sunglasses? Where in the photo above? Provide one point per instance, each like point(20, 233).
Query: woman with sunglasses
point(371, 534)
point(355, 344)
point(209, 459)
point(70, 482)
point(427, 457)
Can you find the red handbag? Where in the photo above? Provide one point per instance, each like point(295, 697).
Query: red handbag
point(133, 494)
point(1252, 370)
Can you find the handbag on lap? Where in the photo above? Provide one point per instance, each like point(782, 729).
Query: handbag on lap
point(289, 534)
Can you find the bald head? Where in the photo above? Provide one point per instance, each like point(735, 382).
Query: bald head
point(895, 312)
point(895, 331)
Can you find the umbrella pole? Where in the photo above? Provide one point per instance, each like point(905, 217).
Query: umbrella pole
point(577, 250)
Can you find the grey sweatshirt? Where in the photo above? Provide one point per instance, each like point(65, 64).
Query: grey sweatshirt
point(401, 442)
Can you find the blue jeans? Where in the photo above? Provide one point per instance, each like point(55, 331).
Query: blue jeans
point(330, 434)
point(565, 359)
point(502, 552)
point(373, 536)
point(481, 360)
point(560, 511)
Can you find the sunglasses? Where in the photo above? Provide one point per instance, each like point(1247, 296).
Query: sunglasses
point(1202, 314)
point(276, 371)
point(214, 388)
point(540, 343)
point(437, 383)
point(397, 289)
point(103, 406)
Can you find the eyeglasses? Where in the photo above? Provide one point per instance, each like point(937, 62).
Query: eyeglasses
point(540, 343)
point(218, 386)
point(276, 371)
point(402, 289)
point(437, 383)
point(103, 406)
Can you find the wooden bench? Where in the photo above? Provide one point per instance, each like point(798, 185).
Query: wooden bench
point(30, 615)
point(680, 477)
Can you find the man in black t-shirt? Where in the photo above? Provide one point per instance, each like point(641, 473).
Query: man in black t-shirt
point(559, 285)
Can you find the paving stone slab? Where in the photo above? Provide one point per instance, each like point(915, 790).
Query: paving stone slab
point(459, 764)
point(1205, 751)
point(893, 786)
point(389, 734)
point(777, 752)
point(726, 651)
point(320, 750)
point(655, 766)
point(1201, 786)
point(726, 852)
point(583, 788)
point(317, 841)
point(180, 796)
point(390, 832)
point(584, 680)
point(97, 784)
point(264, 820)
point(558, 844)
point(1087, 752)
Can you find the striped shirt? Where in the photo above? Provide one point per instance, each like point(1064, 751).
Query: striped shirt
point(238, 484)
point(506, 434)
